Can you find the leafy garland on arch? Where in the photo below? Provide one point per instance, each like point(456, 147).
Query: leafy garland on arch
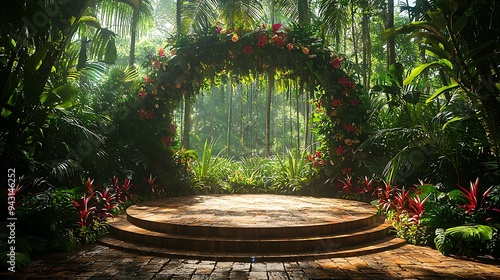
point(197, 61)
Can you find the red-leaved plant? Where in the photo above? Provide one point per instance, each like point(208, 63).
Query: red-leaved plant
point(475, 201)
point(416, 208)
point(386, 195)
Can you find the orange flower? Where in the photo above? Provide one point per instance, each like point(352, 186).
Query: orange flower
point(305, 50)
point(234, 38)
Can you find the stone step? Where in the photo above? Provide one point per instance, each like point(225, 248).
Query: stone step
point(122, 229)
point(381, 245)
point(139, 219)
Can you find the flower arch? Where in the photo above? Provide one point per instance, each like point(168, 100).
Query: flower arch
point(197, 61)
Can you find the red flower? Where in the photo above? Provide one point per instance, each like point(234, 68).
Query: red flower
point(261, 40)
point(276, 26)
point(280, 42)
point(336, 102)
point(143, 94)
point(355, 102)
point(263, 26)
point(320, 103)
point(248, 50)
point(346, 170)
point(346, 82)
point(340, 150)
point(349, 127)
point(167, 140)
point(161, 52)
point(336, 62)
point(173, 128)
point(147, 79)
point(145, 114)
point(311, 158)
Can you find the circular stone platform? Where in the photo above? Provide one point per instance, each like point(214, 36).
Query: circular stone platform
point(251, 226)
point(251, 210)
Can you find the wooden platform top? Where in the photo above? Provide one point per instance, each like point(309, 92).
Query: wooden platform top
point(251, 210)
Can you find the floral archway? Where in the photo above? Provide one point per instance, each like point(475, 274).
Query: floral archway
point(197, 61)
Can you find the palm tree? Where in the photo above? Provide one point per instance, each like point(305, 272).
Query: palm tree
point(127, 17)
point(35, 36)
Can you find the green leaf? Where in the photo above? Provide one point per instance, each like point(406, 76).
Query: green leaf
point(438, 18)
point(396, 71)
point(437, 40)
point(61, 97)
point(441, 91)
point(415, 72)
point(412, 96)
point(437, 52)
point(441, 242)
point(460, 23)
point(91, 21)
point(455, 119)
point(470, 233)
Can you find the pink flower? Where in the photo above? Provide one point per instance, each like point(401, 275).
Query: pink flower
point(336, 102)
point(346, 82)
point(346, 170)
point(355, 102)
point(276, 26)
point(336, 62)
point(349, 127)
point(143, 94)
point(173, 128)
point(147, 79)
point(261, 40)
point(248, 50)
point(280, 41)
point(167, 140)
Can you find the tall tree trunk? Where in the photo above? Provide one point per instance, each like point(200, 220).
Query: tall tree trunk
point(306, 121)
point(178, 17)
point(229, 119)
point(304, 10)
point(270, 88)
point(366, 50)
point(297, 114)
point(353, 31)
point(186, 143)
point(391, 48)
point(133, 34)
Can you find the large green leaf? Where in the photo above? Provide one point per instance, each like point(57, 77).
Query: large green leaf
point(91, 21)
point(460, 23)
point(443, 63)
point(417, 71)
point(441, 91)
point(471, 232)
point(61, 97)
point(396, 72)
point(438, 19)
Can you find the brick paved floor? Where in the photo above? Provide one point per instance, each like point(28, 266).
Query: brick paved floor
point(407, 262)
